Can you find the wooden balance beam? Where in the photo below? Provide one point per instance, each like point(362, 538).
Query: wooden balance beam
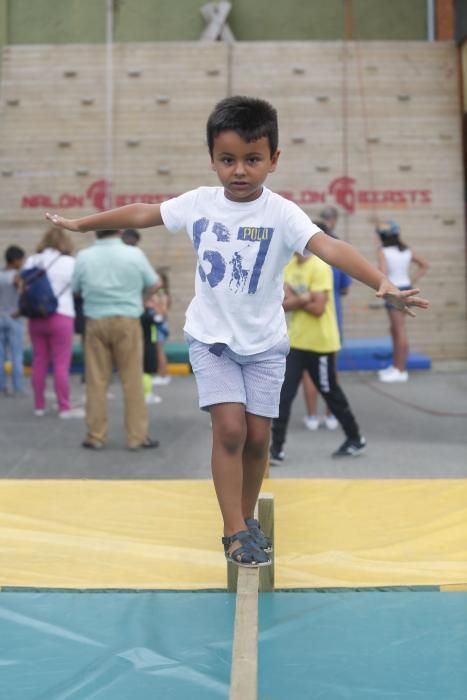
point(247, 582)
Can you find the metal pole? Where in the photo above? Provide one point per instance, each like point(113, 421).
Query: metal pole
point(109, 102)
point(430, 20)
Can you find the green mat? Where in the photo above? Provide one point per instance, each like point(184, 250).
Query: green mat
point(177, 353)
point(111, 645)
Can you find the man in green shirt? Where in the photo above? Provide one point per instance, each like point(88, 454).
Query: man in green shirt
point(112, 280)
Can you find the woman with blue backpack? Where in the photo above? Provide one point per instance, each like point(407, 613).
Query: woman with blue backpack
point(47, 302)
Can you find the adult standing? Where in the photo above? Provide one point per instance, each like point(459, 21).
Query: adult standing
point(52, 337)
point(11, 325)
point(314, 341)
point(112, 279)
point(396, 259)
point(341, 283)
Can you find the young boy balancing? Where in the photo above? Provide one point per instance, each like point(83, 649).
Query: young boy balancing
point(243, 235)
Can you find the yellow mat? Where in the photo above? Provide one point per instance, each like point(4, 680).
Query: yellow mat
point(166, 534)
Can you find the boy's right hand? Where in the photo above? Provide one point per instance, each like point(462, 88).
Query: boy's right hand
point(56, 220)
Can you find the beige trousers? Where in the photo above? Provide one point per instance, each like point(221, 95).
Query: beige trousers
point(115, 342)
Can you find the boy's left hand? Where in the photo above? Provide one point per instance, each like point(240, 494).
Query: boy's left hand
point(403, 300)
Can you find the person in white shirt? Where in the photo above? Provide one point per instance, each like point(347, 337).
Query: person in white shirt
point(395, 260)
point(243, 235)
point(52, 337)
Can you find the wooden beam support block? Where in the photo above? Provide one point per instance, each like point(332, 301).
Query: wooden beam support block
point(266, 520)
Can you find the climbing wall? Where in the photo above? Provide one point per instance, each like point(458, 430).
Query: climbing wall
point(372, 128)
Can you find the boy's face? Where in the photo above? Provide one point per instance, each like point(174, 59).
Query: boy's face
point(242, 166)
point(17, 264)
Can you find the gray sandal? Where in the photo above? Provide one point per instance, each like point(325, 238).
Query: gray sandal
point(248, 554)
point(258, 535)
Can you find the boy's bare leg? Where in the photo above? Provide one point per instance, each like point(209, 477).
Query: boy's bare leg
point(229, 430)
point(255, 453)
point(399, 339)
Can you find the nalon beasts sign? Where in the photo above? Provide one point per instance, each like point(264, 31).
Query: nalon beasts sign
point(342, 191)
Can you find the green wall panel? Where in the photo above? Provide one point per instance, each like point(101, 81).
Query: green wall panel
point(56, 21)
point(3, 22)
point(291, 20)
point(402, 20)
point(83, 21)
point(158, 20)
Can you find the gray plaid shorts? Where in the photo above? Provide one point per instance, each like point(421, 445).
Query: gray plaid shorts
point(253, 380)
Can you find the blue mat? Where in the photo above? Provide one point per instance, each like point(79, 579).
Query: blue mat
point(368, 645)
point(357, 354)
point(374, 353)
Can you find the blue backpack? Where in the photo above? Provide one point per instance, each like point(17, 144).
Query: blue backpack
point(37, 299)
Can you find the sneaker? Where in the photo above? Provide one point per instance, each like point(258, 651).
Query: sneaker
point(276, 456)
point(331, 422)
point(352, 447)
point(389, 369)
point(161, 381)
point(311, 422)
point(151, 399)
point(39, 412)
point(72, 413)
point(393, 375)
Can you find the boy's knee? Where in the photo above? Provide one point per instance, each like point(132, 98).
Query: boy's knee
point(232, 438)
point(256, 448)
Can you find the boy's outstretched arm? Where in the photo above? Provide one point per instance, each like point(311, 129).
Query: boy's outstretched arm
point(137, 215)
point(344, 256)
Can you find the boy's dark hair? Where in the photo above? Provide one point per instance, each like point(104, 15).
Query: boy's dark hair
point(13, 253)
point(131, 236)
point(106, 234)
point(250, 118)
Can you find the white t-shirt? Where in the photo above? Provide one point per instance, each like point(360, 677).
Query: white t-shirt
point(60, 271)
point(242, 249)
point(398, 265)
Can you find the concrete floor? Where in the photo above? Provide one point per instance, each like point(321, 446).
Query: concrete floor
point(416, 430)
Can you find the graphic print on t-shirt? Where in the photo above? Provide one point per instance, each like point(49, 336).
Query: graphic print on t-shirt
point(234, 265)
